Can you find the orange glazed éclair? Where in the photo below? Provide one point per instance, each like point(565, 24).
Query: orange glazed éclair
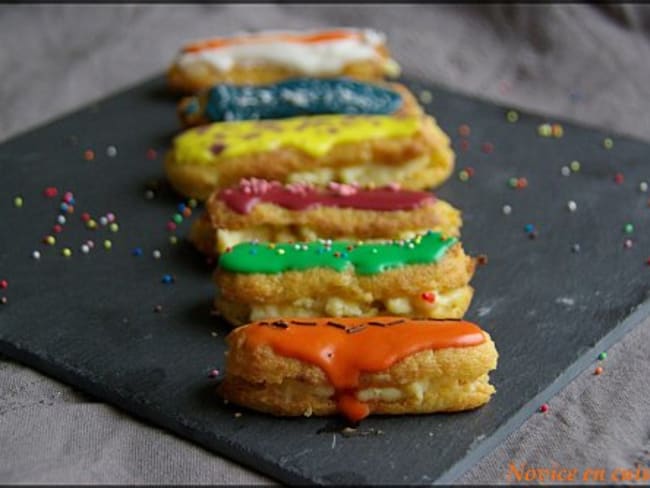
point(358, 366)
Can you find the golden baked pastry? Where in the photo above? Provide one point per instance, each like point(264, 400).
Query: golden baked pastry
point(425, 277)
point(365, 149)
point(357, 367)
point(268, 57)
point(269, 211)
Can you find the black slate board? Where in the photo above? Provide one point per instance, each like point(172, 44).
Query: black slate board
point(89, 321)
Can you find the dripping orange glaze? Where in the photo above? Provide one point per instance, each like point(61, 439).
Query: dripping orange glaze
point(310, 38)
point(372, 348)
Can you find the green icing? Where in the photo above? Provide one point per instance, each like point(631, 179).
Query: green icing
point(366, 258)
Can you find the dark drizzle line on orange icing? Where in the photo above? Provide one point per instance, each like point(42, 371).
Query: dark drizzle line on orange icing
point(280, 323)
point(346, 349)
point(301, 322)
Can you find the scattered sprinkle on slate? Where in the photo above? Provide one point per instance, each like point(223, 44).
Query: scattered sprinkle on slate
point(3, 300)
point(543, 408)
point(598, 371)
point(507, 210)
point(157, 308)
point(572, 206)
point(36, 255)
point(575, 248)
point(18, 201)
point(602, 356)
point(89, 154)
point(111, 151)
point(156, 254)
point(137, 251)
point(167, 279)
point(566, 171)
point(213, 374)
point(643, 186)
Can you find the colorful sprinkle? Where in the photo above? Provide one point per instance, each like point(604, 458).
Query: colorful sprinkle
point(61, 219)
point(566, 171)
point(619, 178)
point(575, 166)
point(85, 248)
point(213, 374)
point(114, 227)
point(137, 251)
point(156, 254)
point(487, 147)
point(426, 96)
point(627, 244)
point(91, 224)
point(512, 182)
point(167, 279)
point(18, 201)
point(56, 228)
point(512, 116)
point(643, 186)
point(89, 154)
point(602, 356)
point(171, 226)
point(575, 248)
point(529, 228)
point(557, 130)
point(463, 175)
point(173, 240)
point(50, 192)
point(506, 209)
point(111, 151)
point(151, 154)
point(572, 206)
point(67, 252)
point(49, 240)
point(157, 308)
point(543, 408)
point(598, 371)
point(628, 228)
point(36, 255)
point(608, 143)
point(103, 221)
point(545, 130)
point(108, 245)
point(149, 194)
point(192, 203)
point(3, 284)
point(3, 300)
point(464, 130)
point(177, 218)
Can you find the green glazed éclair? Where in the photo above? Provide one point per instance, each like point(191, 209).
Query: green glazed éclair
point(365, 258)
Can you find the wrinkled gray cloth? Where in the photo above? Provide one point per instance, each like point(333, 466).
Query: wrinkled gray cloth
point(587, 63)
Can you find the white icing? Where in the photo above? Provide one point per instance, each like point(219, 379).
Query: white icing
point(319, 58)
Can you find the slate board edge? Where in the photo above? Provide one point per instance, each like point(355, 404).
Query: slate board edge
point(636, 317)
point(49, 367)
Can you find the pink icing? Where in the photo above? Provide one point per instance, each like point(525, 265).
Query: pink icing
point(300, 196)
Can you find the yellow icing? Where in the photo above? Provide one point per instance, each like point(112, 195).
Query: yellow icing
point(314, 135)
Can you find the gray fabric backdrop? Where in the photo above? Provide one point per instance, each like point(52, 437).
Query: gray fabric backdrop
point(587, 63)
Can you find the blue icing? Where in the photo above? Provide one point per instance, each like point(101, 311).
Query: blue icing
point(300, 96)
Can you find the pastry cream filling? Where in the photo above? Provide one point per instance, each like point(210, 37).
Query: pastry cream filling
point(363, 174)
point(294, 389)
point(447, 304)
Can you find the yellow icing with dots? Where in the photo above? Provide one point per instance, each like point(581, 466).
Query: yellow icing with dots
point(314, 135)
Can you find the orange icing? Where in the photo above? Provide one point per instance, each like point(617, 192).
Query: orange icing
point(344, 356)
point(307, 38)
